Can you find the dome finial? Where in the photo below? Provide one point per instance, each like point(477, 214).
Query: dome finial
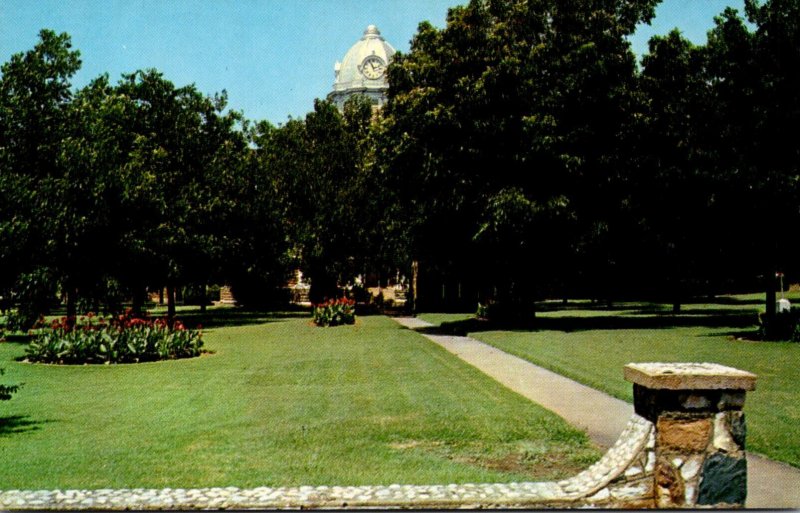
point(372, 30)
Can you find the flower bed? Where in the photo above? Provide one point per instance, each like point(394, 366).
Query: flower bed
point(123, 339)
point(335, 312)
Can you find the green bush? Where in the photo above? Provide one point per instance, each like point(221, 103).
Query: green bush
point(510, 312)
point(784, 326)
point(213, 293)
point(125, 339)
point(16, 322)
point(335, 312)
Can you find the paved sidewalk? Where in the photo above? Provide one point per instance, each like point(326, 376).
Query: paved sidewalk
point(770, 484)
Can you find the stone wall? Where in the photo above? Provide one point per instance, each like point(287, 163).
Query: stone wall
point(684, 447)
point(700, 431)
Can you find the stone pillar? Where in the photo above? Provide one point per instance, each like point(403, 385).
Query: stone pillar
point(700, 431)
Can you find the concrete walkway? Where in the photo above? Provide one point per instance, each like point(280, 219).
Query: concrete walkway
point(770, 484)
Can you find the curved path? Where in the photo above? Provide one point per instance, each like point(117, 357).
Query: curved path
point(770, 484)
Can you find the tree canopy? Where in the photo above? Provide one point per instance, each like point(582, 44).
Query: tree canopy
point(523, 153)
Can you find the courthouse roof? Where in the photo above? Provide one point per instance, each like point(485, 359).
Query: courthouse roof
point(348, 72)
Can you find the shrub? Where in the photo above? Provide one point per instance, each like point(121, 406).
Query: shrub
point(508, 312)
point(125, 339)
point(784, 326)
point(335, 312)
point(16, 322)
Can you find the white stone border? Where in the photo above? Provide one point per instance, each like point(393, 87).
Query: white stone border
point(623, 475)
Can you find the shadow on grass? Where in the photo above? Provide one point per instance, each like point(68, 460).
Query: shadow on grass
point(18, 338)
point(740, 335)
point(17, 424)
point(715, 319)
point(699, 313)
point(228, 317)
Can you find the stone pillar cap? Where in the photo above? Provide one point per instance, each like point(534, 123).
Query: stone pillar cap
point(689, 376)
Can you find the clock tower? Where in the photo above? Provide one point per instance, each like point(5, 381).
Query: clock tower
point(363, 70)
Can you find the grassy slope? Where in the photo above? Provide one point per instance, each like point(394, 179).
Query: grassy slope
point(595, 357)
point(278, 403)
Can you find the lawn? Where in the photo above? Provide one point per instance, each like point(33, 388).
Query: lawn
point(278, 402)
point(592, 345)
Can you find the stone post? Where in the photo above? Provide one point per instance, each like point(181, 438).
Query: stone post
point(700, 431)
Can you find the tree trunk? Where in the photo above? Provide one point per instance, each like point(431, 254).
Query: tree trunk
point(139, 294)
point(414, 276)
point(770, 297)
point(72, 306)
point(323, 287)
point(170, 303)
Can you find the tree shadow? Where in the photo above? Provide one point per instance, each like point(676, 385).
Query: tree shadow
point(737, 335)
point(17, 338)
point(230, 317)
point(16, 424)
point(644, 320)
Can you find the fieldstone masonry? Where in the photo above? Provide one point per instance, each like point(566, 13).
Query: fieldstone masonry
point(684, 447)
point(700, 440)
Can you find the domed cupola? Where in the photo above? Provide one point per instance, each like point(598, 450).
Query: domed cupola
point(363, 69)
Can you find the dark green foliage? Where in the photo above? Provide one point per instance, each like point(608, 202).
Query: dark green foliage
point(319, 170)
point(521, 154)
point(162, 168)
point(16, 322)
point(524, 150)
point(782, 326)
point(503, 139)
point(35, 293)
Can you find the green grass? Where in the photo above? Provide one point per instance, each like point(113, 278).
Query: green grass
point(279, 402)
point(592, 346)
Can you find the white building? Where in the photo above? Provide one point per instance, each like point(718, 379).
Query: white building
point(363, 70)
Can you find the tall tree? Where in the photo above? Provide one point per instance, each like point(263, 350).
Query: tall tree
point(754, 81)
point(182, 143)
point(320, 167)
point(35, 93)
point(511, 115)
point(673, 185)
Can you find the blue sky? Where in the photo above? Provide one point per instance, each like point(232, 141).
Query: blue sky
point(272, 56)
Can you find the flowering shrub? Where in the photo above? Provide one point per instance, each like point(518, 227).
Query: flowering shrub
point(335, 312)
point(123, 339)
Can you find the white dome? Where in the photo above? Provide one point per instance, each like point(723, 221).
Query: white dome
point(363, 69)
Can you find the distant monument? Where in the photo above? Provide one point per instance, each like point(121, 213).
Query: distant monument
point(363, 70)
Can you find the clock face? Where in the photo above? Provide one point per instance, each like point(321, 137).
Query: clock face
point(373, 67)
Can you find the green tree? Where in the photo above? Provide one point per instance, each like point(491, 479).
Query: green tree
point(35, 96)
point(504, 134)
point(87, 204)
point(753, 76)
point(775, 152)
point(320, 168)
point(247, 213)
point(673, 182)
point(183, 148)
